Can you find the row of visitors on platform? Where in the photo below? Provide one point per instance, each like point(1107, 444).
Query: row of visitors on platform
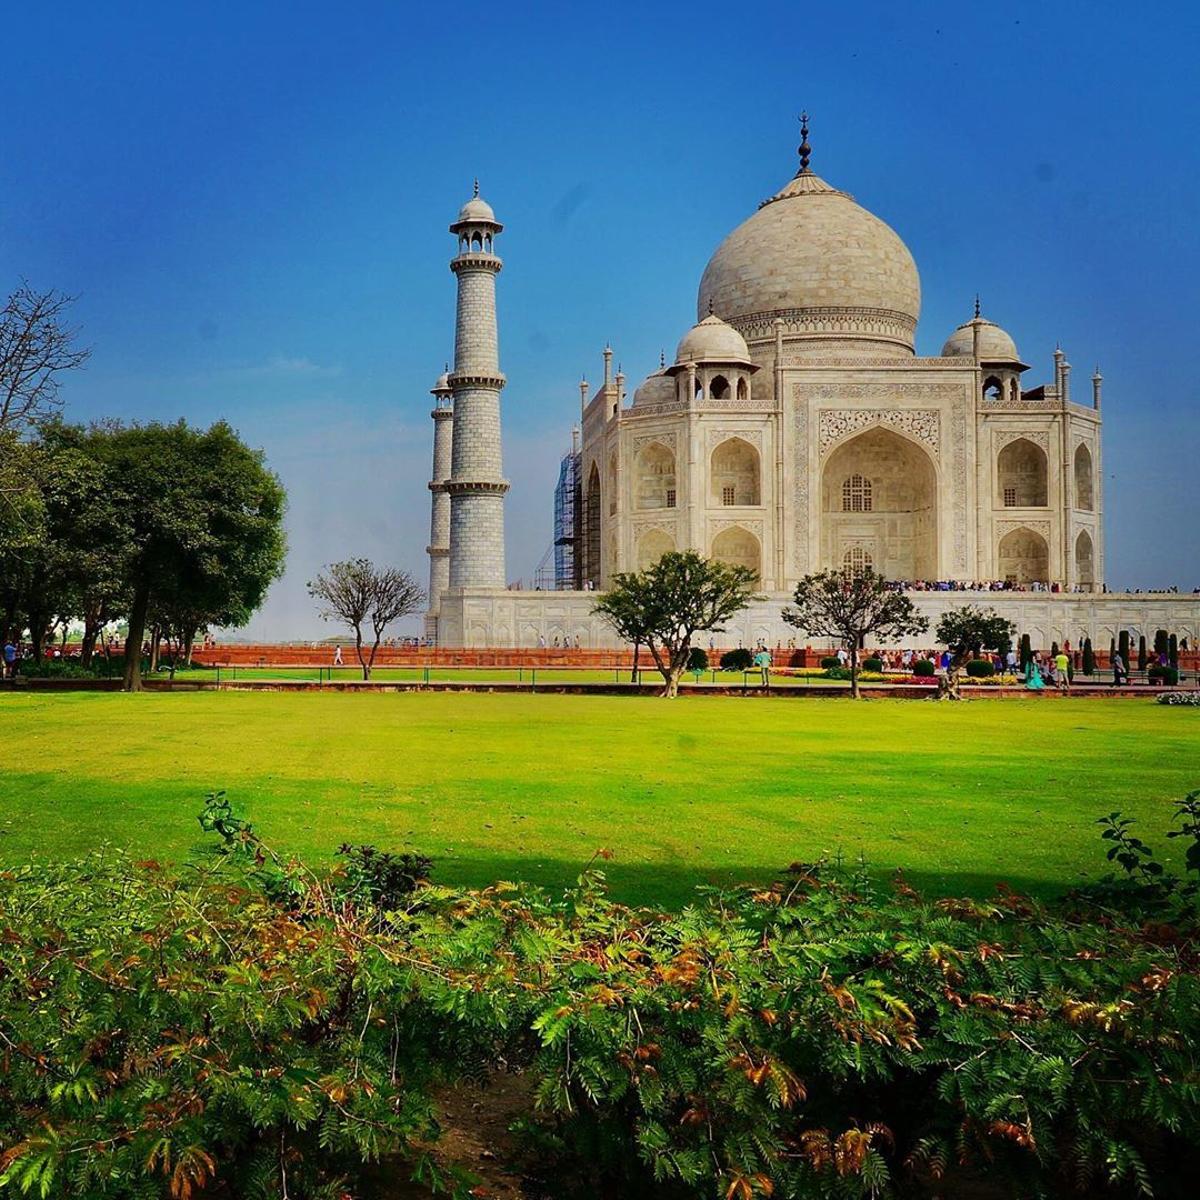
point(975, 585)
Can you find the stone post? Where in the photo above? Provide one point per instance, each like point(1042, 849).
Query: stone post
point(476, 485)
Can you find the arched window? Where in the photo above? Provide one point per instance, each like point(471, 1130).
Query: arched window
point(1022, 471)
point(591, 529)
point(734, 474)
point(612, 484)
point(719, 388)
point(1085, 497)
point(993, 389)
point(655, 468)
point(743, 391)
point(855, 562)
point(856, 494)
point(476, 242)
point(738, 547)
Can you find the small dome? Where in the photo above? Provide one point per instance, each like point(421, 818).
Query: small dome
point(477, 209)
point(442, 384)
point(712, 340)
point(658, 388)
point(994, 344)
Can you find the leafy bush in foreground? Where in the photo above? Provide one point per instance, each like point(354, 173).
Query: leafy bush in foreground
point(737, 660)
point(247, 1027)
point(924, 668)
point(1188, 699)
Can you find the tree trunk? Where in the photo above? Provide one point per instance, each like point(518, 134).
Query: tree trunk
point(188, 642)
point(371, 660)
point(155, 642)
point(854, 671)
point(133, 641)
point(949, 683)
point(358, 649)
point(633, 678)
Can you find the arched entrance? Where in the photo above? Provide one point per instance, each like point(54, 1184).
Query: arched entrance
point(1022, 471)
point(1024, 557)
point(879, 498)
point(1084, 491)
point(738, 547)
point(734, 473)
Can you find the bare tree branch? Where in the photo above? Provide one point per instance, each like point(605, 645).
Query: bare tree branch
point(36, 347)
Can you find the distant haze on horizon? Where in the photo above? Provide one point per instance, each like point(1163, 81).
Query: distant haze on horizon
point(251, 201)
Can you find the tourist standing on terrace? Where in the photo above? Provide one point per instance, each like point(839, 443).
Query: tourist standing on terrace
point(1062, 664)
point(1120, 671)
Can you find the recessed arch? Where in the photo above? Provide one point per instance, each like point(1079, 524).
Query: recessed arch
point(591, 528)
point(993, 388)
point(1085, 495)
point(738, 547)
point(718, 389)
point(612, 483)
point(1024, 557)
point(654, 469)
point(897, 526)
point(743, 388)
point(734, 473)
point(1085, 561)
point(1022, 470)
point(856, 561)
point(651, 546)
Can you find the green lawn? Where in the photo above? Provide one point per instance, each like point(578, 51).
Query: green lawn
point(702, 789)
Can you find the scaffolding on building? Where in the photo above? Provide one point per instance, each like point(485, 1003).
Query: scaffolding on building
point(566, 530)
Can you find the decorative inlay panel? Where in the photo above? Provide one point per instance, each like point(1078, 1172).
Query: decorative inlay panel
point(752, 436)
point(924, 424)
point(1006, 527)
point(1037, 437)
point(666, 439)
point(754, 527)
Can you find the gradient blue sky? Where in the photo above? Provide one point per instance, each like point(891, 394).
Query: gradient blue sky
point(251, 202)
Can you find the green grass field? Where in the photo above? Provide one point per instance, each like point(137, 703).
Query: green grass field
point(699, 790)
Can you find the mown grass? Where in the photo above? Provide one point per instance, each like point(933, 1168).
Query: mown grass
point(700, 790)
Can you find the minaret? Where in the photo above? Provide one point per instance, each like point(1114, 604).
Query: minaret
point(439, 521)
point(476, 485)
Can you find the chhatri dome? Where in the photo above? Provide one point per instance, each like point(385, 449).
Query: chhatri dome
point(712, 340)
point(995, 345)
point(814, 257)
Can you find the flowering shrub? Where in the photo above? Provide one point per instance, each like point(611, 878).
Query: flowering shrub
point(247, 1027)
point(1187, 699)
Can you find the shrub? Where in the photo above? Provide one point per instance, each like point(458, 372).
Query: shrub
point(196, 1034)
point(1165, 675)
point(1089, 657)
point(831, 660)
point(873, 663)
point(923, 668)
point(697, 659)
point(980, 668)
point(737, 660)
point(1187, 699)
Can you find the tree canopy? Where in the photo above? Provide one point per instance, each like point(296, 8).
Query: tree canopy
point(966, 632)
point(850, 607)
point(359, 594)
point(666, 605)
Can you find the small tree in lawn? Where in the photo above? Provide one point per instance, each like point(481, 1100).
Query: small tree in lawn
point(846, 607)
point(359, 594)
point(1089, 657)
point(1141, 652)
point(666, 605)
point(966, 632)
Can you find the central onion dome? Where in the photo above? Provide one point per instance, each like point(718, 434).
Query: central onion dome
point(813, 257)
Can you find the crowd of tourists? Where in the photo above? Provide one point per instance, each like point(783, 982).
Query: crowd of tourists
point(976, 585)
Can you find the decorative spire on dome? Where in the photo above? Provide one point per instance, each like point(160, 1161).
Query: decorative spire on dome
point(977, 306)
point(804, 149)
point(476, 185)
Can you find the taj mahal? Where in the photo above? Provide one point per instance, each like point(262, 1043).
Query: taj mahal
point(794, 430)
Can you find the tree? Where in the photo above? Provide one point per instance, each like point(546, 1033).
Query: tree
point(36, 348)
point(966, 632)
point(847, 608)
point(1141, 659)
point(1089, 657)
point(666, 605)
point(1026, 652)
point(357, 593)
point(1123, 647)
point(202, 518)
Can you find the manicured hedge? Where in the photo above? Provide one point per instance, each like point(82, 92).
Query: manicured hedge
point(980, 668)
point(874, 663)
point(924, 668)
point(737, 660)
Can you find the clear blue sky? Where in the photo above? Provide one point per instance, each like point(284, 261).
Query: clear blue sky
point(251, 201)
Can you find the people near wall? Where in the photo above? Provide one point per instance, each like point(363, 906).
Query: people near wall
point(1119, 669)
point(1033, 674)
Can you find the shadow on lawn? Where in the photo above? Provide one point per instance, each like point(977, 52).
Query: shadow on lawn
point(669, 886)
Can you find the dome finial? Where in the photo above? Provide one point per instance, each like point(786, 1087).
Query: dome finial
point(710, 306)
point(477, 185)
point(662, 360)
point(977, 306)
point(805, 150)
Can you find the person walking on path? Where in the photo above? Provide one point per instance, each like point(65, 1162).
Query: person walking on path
point(1062, 664)
point(1120, 670)
point(10, 660)
point(337, 656)
point(762, 660)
